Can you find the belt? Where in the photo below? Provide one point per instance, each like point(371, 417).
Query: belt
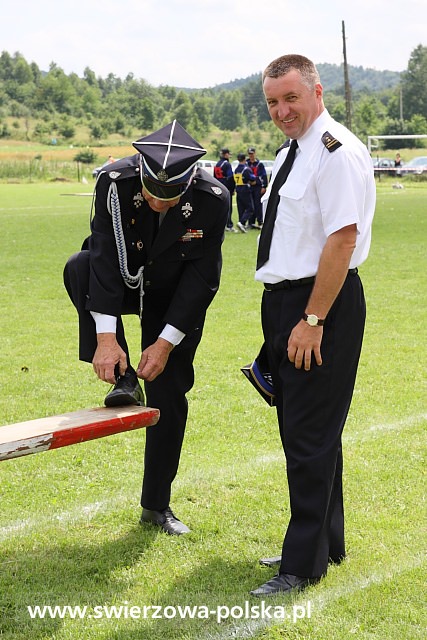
point(291, 284)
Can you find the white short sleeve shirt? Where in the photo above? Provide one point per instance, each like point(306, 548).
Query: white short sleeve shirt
point(325, 191)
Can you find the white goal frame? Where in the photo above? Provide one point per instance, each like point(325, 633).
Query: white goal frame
point(373, 139)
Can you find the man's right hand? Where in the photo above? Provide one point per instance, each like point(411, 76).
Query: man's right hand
point(107, 355)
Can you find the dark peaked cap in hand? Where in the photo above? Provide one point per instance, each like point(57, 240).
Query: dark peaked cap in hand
point(168, 157)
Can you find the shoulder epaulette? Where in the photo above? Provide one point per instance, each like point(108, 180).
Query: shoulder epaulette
point(283, 146)
point(201, 183)
point(123, 169)
point(331, 143)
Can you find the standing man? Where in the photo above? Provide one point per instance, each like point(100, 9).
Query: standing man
point(259, 188)
point(244, 178)
point(316, 233)
point(223, 172)
point(155, 251)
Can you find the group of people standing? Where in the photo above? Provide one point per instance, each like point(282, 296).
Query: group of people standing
point(249, 181)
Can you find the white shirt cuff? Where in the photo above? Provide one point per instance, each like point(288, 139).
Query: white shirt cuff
point(172, 335)
point(104, 323)
point(108, 324)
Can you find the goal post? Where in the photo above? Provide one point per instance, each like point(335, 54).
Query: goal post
point(373, 140)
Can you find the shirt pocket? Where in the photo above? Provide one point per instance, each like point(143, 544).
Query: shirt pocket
point(293, 204)
point(294, 190)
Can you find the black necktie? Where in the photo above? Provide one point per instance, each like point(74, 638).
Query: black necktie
point(272, 204)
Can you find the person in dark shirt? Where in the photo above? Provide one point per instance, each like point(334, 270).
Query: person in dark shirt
point(244, 178)
point(258, 189)
point(223, 171)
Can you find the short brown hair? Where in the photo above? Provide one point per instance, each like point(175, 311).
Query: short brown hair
point(281, 66)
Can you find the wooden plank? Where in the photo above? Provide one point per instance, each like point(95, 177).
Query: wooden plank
point(52, 432)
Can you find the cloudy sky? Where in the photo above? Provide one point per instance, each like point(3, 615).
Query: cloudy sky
point(201, 43)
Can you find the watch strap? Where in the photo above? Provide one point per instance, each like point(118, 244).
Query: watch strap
point(319, 322)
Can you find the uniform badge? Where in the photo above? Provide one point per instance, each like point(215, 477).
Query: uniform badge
point(138, 200)
point(192, 234)
point(330, 142)
point(114, 175)
point(162, 175)
point(217, 190)
point(187, 210)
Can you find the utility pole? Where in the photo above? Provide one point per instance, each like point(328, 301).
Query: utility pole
point(346, 82)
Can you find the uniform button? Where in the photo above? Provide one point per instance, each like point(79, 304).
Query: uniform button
point(150, 263)
point(182, 255)
point(147, 283)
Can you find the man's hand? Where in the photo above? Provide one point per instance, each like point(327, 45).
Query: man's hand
point(154, 359)
point(303, 341)
point(108, 353)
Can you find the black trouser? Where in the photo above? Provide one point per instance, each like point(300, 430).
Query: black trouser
point(245, 206)
point(312, 407)
point(167, 392)
point(256, 199)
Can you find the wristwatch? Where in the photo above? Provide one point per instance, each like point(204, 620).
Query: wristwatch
point(313, 320)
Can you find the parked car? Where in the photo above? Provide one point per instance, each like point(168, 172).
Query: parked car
point(415, 166)
point(383, 166)
point(268, 164)
point(207, 165)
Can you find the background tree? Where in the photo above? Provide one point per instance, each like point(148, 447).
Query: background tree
point(228, 110)
point(414, 84)
point(42, 102)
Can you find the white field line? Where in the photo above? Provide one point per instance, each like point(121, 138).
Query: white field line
point(79, 513)
point(405, 423)
point(89, 511)
point(37, 208)
point(251, 628)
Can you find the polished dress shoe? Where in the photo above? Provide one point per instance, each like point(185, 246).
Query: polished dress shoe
point(283, 583)
point(275, 561)
point(127, 390)
point(270, 562)
point(166, 520)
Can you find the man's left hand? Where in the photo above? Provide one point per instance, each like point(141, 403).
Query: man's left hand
point(303, 342)
point(154, 359)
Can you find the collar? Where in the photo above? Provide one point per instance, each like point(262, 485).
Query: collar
point(313, 136)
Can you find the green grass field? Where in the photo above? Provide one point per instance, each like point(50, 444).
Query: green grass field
point(69, 532)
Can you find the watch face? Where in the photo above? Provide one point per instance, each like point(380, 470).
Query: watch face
point(312, 320)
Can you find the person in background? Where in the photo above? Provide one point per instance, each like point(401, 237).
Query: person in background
point(244, 178)
point(258, 189)
point(223, 172)
point(316, 233)
point(397, 163)
point(154, 251)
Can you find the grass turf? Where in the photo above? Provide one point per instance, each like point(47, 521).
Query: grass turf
point(69, 532)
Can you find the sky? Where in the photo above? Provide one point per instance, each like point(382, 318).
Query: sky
point(203, 43)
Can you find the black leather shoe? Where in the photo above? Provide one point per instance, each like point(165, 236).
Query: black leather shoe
point(166, 520)
point(283, 583)
point(127, 390)
point(270, 562)
point(275, 561)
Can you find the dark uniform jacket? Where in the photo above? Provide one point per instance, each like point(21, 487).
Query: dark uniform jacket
point(223, 172)
point(260, 173)
point(243, 175)
point(181, 258)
